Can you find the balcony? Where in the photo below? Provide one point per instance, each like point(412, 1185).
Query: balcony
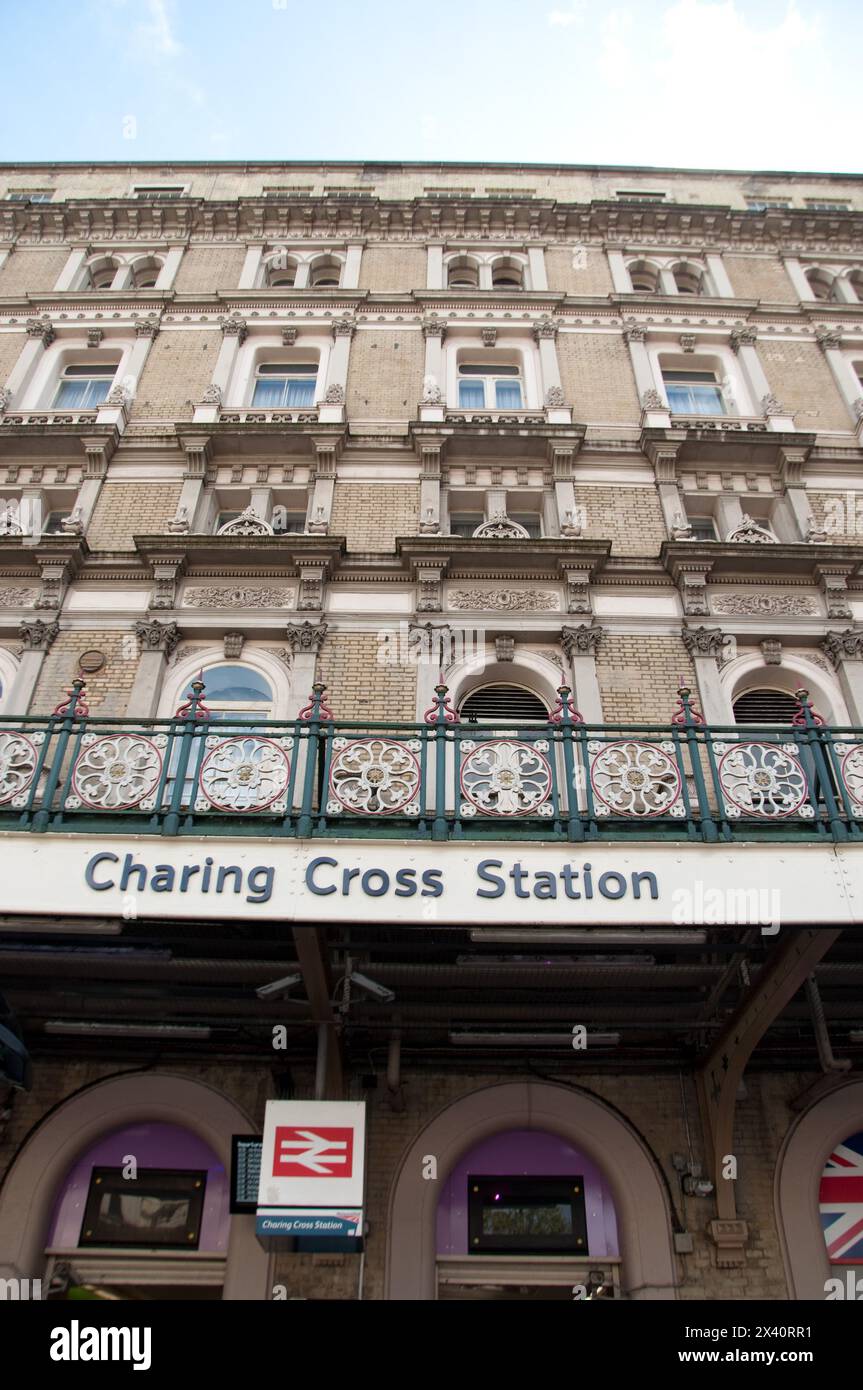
point(440, 779)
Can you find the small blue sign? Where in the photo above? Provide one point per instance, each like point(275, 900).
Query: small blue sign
point(329, 1224)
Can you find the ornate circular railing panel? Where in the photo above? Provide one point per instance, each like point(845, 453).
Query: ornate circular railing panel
point(114, 772)
point(18, 758)
point(501, 777)
point(762, 779)
point(631, 778)
point(246, 773)
point(851, 772)
point(374, 777)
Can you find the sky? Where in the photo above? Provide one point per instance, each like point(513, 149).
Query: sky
point(751, 84)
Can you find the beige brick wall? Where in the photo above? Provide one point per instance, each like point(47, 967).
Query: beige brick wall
point(801, 379)
point(178, 370)
point(759, 277)
point(631, 517)
point(205, 269)
point(394, 267)
point(359, 686)
point(107, 692)
point(597, 379)
point(30, 269)
point(841, 513)
point(565, 271)
point(371, 515)
point(10, 350)
point(638, 676)
point(124, 510)
point(385, 375)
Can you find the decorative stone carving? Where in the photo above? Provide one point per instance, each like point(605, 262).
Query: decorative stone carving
point(742, 337)
point(41, 328)
point(771, 406)
point(306, 637)
point(771, 650)
point(234, 326)
point(499, 527)
point(693, 593)
point(504, 600)
point(73, 524)
point(94, 337)
point(319, 524)
point(762, 779)
point(289, 337)
point(687, 342)
point(38, 636)
point(546, 328)
point(834, 587)
point(10, 523)
point(489, 337)
point(18, 758)
point(432, 393)
point(147, 327)
point(335, 394)
point(502, 777)
point(245, 773)
point(118, 771)
point(858, 408)
point(212, 395)
point(374, 777)
point(570, 527)
point(179, 524)
point(17, 597)
point(233, 643)
point(582, 640)
point(504, 648)
point(432, 643)
point(244, 596)
point(704, 641)
point(55, 577)
point(154, 636)
point(634, 332)
point(815, 534)
point(631, 778)
point(166, 572)
point(344, 327)
point(311, 595)
point(248, 523)
point(681, 528)
point(828, 337)
point(554, 398)
point(844, 646)
point(791, 605)
point(6, 399)
point(750, 533)
point(651, 400)
point(434, 328)
point(118, 395)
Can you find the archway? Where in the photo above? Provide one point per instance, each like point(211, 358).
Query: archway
point(646, 1246)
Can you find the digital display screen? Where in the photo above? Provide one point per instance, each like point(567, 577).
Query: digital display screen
point(246, 1150)
point(541, 1214)
point(158, 1207)
point(539, 1219)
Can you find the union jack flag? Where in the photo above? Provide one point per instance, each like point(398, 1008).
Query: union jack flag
point(840, 1199)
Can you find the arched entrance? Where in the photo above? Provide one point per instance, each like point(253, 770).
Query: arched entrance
point(594, 1129)
point(38, 1176)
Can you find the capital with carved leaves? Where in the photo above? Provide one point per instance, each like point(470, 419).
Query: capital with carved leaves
point(38, 636)
point(844, 646)
point(305, 637)
point(705, 641)
point(154, 636)
point(582, 640)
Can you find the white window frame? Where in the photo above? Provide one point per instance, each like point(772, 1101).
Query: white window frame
point(305, 262)
point(485, 260)
point(39, 392)
point(266, 346)
point(514, 349)
point(310, 377)
point(715, 357)
point(490, 379)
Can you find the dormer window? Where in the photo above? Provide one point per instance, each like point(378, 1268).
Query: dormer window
point(84, 387)
point(281, 385)
point(482, 386)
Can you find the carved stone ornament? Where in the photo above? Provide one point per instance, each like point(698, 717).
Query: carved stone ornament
point(815, 534)
point(581, 641)
point(434, 328)
point(704, 641)
point(791, 605)
point(311, 594)
point(500, 528)
point(651, 400)
point(844, 646)
point(504, 600)
point(335, 394)
point(835, 590)
point(489, 337)
point(234, 325)
point(179, 524)
point(6, 399)
point(147, 327)
point(94, 337)
point(41, 328)
point(504, 648)
point(693, 592)
point(17, 597)
point(212, 395)
point(345, 327)
point(38, 636)
point(828, 337)
point(634, 332)
point(248, 523)
point(73, 524)
point(681, 528)
point(244, 596)
point(554, 398)
point(743, 337)
point(771, 650)
point(305, 637)
point(233, 643)
point(10, 525)
point(687, 342)
point(154, 636)
point(118, 395)
point(771, 406)
point(546, 328)
point(432, 393)
point(750, 533)
point(858, 408)
point(289, 337)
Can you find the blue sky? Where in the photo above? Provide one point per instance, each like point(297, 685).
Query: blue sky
point(715, 83)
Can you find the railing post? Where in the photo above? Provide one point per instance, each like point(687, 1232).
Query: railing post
point(807, 719)
point(440, 715)
point(314, 712)
point(190, 713)
point(690, 720)
point(69, 709)
point(563, 716)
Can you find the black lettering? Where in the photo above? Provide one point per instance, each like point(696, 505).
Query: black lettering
point(606, 891)
point(235, 871)
point(187, 872)
point(366, 882)
point(93, 865)
point(545, 880)
point(518, 875)
point(321, 862)
point(205, 876)
point(260, 892)
point(482, 869)
point(406, 880)
point(163, 878)
point(568, 873)
point(432, 883)
point(130, 868)
point(347, 875)
point(651, 879)
point(588, 881)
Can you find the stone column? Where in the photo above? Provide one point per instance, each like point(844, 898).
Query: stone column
point(793, 463)
point(156, 642)
point(170, 266)
point(845, 650)
point(536, 262)
point(333, 404)
point(579, 645)
point(664, 460)
point(743, 344)
point(234, 330)
point(122, 393)
point(353, 260)
point(798, 279)
point(719, 275)
point(430, 453)
point(72, 269)
point(305, 641)
point(830, 342)
point(37, 638)
point(98, 451)
point(327, 451)
point(571, 519)
point(619, 273)
point(434, 379)
point(251, 267)
point(667, 282)
point(40, 335)
point(434, 270)
point(729, 513)
point(431, 649)
point(706, 646)
point(198, 451)
point(545, 334)
point(656, 412)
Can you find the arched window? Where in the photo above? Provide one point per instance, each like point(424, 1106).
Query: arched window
point(232, 691)
point(689, 279)
point(146, 272)
point(492, 381)
point(762, 705)
point(84, 385)
point(463, 274)
point(284, 385)
point(820, 283)
point(100, 273)
point(855, 280)
point(325, 273)
point(280, 272)
point(507, 274)
point(499, 703)
point(644, 277)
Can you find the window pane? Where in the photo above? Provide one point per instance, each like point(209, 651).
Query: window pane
point(269, 394)
point(83, 393)
point(301, 393)
point(708, 400)
point(508, 395)
point(229, 684)
point(471, 395)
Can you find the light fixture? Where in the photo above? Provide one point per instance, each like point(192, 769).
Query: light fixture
point(127, 1030)
point(586, 936)
point(533, 1040)
point(278, 988)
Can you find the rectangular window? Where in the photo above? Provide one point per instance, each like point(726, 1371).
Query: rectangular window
point(703, 528)
point(160, 1207)
point(528, 1215)
point(465, 523)
point(84, 387)
point(530, 521)
point(693, 393)
point(159, 192)
point(287, 523)
point(823, 205)
point(284, 385)
point(767, 204)
point(639, 196)
point(486, 388)
point(29, 195)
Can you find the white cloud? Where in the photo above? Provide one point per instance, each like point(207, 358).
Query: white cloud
point(155, 37)
point(566, 18)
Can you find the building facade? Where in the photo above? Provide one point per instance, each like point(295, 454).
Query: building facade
point(435, 593)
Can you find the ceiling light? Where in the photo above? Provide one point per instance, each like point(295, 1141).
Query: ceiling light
point(587, 936)
point(127, 1030)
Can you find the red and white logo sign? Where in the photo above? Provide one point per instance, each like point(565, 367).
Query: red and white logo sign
point(313, 1153)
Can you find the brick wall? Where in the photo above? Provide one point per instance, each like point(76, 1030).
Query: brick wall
point(639, 674)
point(28, 269)
point(107, 690)
point(759, 277)
point(10, 350)
point(385, 375)
point(802, 380)
point(597, 378)
point(393, 267)
point(124, 510)
point(631, 517)
point(361, 687)
point(578, 270)
point(205, 269)
point(841, 513)
point(179, 367)
point(371, 515)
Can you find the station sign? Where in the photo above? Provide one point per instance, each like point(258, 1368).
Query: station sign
point(312, 1175)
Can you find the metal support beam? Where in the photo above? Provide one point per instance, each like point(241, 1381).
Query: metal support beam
point(312, 954)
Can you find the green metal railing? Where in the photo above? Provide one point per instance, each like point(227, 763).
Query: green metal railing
point(198, 773)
